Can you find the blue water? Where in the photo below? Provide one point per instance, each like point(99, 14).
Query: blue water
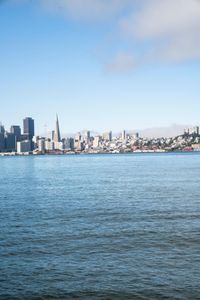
point(100, 227)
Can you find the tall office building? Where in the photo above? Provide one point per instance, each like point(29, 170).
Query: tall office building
point(68, 144)
point(86, 136)
point(2, 129)
point(2, 142)
point(29, 129)
point(16, 130)
point(10, 142)
point(123, 136)
point(197, 130)
point(78, 137)
point(107, 136)
point(137, 135)
point(52, 135)
point(57, 137)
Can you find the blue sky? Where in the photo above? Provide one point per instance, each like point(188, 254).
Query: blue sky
point(107, 65)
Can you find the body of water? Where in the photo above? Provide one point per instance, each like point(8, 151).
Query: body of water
point(100, 227)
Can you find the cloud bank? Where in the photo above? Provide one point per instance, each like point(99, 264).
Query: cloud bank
point(171, 28)
point(167, 31)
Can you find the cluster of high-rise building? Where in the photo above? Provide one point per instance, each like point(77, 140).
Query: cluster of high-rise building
point(15, 140)
point(18, 141)
point(21, 142)
point(80, 142)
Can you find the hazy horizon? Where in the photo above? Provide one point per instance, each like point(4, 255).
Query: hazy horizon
point(172, 130)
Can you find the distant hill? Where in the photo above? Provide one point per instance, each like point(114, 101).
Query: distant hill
point(170, 131)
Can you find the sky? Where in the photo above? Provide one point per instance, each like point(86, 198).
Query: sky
point(100, 64)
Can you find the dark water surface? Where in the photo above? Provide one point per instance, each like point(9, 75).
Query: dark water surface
point(100, 227)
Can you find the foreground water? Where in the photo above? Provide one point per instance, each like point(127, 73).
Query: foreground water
point(100, 227)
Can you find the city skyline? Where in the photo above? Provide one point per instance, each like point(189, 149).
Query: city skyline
point(92, 70)
point(26, 142)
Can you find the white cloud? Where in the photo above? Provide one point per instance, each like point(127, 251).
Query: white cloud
point(171, 27)
point(163, 17)
point(122, 62)
point(165, 30)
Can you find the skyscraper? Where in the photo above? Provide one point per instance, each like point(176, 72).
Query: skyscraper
point(57, 138)
point(2, 129)
point(86, 136)
point(123, 136)
point(107, 136)
point(16, 130)
point(2, 142)
point(29, 128)
point(10, 142)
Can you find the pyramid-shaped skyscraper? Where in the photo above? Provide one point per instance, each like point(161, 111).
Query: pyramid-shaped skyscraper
point(57, 137)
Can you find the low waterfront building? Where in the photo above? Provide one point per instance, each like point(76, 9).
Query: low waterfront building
point(196, 147)
point(58, 146)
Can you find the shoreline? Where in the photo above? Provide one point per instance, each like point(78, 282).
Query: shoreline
point(15, 154)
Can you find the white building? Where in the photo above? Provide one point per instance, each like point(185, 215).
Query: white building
point(41, 145)
point(78, 137)
point(49, 145)
point(58, 146)
point(96, 141)
point(107, 136)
